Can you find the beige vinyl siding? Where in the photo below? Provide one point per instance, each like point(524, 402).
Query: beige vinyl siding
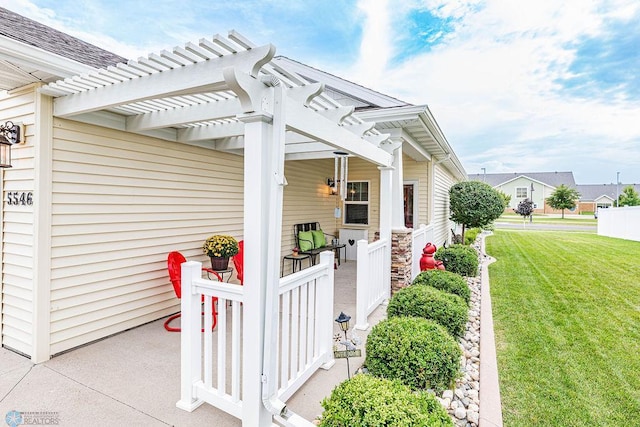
point(419, 172)
point(17, 227)
point(307, 199)
point(361, 170)
point(443, 181)
point(120, 204)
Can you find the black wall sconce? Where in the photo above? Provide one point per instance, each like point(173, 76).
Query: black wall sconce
point(10, 134)
point(332, 186)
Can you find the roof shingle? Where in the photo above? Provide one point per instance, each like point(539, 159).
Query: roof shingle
point(36, 34)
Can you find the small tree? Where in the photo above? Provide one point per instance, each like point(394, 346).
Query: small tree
point(525, 208)
point(563, 198)
point(629, 197)
point(506, 198)
point(474, 204)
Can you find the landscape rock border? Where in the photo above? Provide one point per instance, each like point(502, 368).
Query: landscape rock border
point(468, 406)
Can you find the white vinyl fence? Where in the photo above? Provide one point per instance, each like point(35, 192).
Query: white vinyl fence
point(211, 359)
point(623, 223)
point(373, 284)
point(420, 238)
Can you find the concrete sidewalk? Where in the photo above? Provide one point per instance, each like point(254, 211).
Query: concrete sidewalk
point(133, 378)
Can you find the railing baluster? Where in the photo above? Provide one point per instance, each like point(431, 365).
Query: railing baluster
point(208, 341)
point(302, 346)
point(222, 346)
point(312, 332)
point(236, 360)
point(284, 339)
point(295, 322)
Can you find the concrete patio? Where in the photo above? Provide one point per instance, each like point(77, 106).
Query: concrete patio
point(133, 378)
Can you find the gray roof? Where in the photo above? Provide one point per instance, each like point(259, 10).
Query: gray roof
point(361, 97)
point(554, 179)
point(46, 38)
point(592, 192)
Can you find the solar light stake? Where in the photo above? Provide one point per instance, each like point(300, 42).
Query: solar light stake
point(343, 321)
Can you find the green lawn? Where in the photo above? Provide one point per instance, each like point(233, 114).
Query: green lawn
point(566, 308)
point(543, 219)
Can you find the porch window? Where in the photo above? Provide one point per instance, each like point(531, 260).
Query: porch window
point(356, 205)
point(521, 192)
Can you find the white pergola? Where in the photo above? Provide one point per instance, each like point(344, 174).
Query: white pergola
point(226, 94)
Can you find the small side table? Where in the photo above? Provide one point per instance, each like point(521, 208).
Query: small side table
point(337, 251)
point(225, 271)
point(296, 262)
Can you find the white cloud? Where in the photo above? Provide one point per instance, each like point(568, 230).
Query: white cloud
point(493, 84)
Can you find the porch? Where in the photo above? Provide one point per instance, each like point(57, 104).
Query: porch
point(134, 376)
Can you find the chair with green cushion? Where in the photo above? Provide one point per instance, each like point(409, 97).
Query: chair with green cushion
point(311, 240)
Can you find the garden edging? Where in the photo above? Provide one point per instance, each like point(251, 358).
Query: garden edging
point(490, 404)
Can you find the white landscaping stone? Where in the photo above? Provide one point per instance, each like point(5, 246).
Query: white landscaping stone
point(460, 413)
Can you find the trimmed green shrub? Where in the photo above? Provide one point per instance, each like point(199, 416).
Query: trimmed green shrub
point(365, 400)
point(470, 235)
point(430, 303)
point(445, 281)
point(459, 259)
point(416, 351)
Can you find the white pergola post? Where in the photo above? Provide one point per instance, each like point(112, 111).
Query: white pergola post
point(397, 188)
point(386, 181)
point(258, 186)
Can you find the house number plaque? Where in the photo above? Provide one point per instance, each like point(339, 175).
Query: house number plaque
point(22, 198)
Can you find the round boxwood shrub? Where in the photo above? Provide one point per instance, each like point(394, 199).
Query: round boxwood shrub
point(365, 400)
point(445, 281)
point(416, 351)
point(459, 259)
point(442, 307)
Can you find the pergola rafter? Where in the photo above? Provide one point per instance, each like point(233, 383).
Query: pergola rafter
point(195, 93)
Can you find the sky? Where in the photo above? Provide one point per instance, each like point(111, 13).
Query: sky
point(515, 86)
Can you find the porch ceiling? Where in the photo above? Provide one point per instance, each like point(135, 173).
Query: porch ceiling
point(185, 95)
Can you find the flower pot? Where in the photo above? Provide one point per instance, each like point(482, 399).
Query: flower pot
point(219, 263)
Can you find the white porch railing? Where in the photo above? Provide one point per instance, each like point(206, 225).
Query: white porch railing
point(373, 281)
point(198, 356)
point(305, 325)
point(420, 238)
point(211, 366)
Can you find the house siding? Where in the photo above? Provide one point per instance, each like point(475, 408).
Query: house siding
point(17, 227)
point(361, 170)
point(443, 180)
point(307, 198)
point(120, 203)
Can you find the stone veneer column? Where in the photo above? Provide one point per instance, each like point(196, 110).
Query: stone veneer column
point(401, 259)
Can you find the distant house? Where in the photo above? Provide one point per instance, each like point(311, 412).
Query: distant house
point(537, 186)
point(595, 196)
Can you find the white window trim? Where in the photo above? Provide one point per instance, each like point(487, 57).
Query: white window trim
point(415, 184)
point(368, 203)
point(526, 191)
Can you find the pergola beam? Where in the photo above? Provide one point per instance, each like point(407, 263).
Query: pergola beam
point(305, 122)
point(206, 76)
